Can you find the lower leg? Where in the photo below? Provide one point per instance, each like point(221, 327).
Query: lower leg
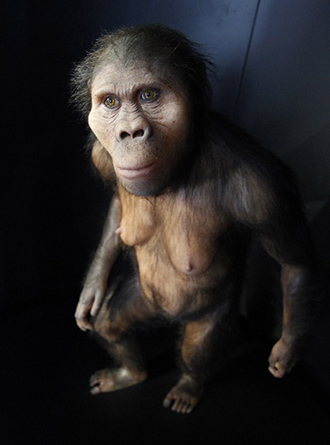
point(123, 307)
point(129, 369)
point(196, 349)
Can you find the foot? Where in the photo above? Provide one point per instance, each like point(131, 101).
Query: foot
point(281, 360)
point(108, 380)
point(184, 396)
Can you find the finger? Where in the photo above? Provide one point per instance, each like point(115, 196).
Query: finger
point(84, 305)
point(84, 324)
point(272, 371)
point(277, 370)
point(81, 316)
point(88, 326)
point(96, 304)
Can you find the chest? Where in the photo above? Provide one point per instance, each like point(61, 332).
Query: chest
point(172, 230)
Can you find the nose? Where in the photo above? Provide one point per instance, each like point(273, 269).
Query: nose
point(138, 129)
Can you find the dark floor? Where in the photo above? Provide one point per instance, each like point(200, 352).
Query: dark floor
point(45, 400)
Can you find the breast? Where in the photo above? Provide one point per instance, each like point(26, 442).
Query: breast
point(191, 235)
point(137, 224)
point(191, 251)
point(174, 236)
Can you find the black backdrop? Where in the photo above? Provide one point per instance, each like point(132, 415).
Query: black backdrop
point(273, 64)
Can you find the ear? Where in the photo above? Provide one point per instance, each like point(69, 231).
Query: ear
point(102, 161)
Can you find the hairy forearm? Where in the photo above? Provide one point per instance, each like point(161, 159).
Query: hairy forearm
point(95, 284)
point(287, 349)
point(294, 285)
point(109, 245)
point(103, 260)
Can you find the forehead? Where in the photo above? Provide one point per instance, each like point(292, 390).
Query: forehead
point(119, 72)
point(116, 73)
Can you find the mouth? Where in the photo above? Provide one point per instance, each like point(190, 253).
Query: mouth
point(136, 172)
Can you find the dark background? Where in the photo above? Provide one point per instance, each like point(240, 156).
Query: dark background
point(272, 62)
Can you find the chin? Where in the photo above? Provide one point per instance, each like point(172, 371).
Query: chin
point(143, 187)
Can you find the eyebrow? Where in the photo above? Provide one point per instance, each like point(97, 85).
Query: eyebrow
point(110, 90)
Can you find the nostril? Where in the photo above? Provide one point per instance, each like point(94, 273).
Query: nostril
point(124, 135)
point(138, 134)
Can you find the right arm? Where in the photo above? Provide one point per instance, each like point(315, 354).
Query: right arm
point(95, 284)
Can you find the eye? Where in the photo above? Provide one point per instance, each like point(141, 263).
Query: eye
point(149, 95)
point(111, 102)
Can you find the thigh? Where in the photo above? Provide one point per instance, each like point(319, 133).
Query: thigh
point(125, 300)
point(124, 306)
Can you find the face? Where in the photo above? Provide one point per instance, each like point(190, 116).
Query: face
point(143, 122)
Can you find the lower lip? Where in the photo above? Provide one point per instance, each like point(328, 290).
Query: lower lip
point(136, 173)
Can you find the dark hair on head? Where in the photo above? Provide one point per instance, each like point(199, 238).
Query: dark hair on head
point(163, 45)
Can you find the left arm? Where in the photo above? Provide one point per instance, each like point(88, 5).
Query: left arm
point(291, 247)
point(269, 205)
point(260, 193)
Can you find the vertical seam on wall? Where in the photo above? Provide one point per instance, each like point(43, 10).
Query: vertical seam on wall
point(246, 58)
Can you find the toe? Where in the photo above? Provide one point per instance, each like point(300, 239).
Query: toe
point(170, 397)
point(167, 403)
point(96, 390)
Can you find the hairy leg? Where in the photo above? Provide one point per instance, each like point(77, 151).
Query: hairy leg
point(128, 372)
point(123, 307)
point(196, 349)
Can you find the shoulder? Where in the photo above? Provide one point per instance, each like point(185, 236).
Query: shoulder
point(240, 149)
point(254, 182)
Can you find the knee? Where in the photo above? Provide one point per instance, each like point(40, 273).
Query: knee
point(106, 329)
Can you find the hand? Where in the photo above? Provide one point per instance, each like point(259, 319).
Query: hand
point(281, 359)
point(89, 304)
